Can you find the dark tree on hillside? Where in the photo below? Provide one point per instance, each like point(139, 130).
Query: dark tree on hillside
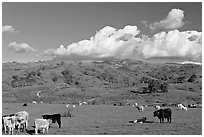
point(164, 87)
point(154, 86)
point(192, 78)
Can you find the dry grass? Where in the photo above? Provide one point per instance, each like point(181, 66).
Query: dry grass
point(111, 120)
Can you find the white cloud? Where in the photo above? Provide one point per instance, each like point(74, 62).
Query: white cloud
point(174, 20)
point(174, 44)
point(110, 42)
point(9, 29)
point(107, 42)
point(20, 48)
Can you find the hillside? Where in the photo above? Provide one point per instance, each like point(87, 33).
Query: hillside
point(108, 81)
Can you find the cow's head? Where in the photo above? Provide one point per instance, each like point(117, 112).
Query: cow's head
point(156, 113)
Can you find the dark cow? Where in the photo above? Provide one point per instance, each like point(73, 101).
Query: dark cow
point(163, 114)
point(54, 118)
point(25, 104)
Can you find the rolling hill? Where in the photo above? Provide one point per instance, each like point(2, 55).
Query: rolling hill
point(107, 81)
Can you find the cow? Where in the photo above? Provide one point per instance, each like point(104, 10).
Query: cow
point(80, 103)
point(163, 114)
point(22, 120)
point(41, 124)
point(140, 108)
point(38, 94)
point(53, 118)
point(142, 120)
point(67, 105)
point(10, 115)
point(85, 103)
point(25, 104)
point(34, 102)
point(8, 123)
point(182, 107)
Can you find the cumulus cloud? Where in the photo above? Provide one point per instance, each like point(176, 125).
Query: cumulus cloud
point(124, 43)
point(185, 44)
point(9, 29)
point(174, 20)
point(20, 48)
point(106, 42)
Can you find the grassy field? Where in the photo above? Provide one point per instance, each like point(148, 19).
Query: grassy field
point(111, 120)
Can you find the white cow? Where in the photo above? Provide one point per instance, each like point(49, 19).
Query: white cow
point(80, 103)
point(34, 102)
point(38, 94)
point(9, 123)
point(41, 124)
point(140, 108)
point(67, 105)
point(85, 103)
point(182, 107)
point(22, 120)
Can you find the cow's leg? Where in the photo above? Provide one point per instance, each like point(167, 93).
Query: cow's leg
point(12, 130)
point(47, 129)
point(9, 130)
point(59, 123)
point(43, 130)
point(26, 125)
point(36, 130)
point(4, 129)
point(19, 127)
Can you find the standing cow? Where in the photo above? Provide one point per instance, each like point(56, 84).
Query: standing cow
point(163, 114)
point(53, 118)
point(22, 120)
point(41, 124)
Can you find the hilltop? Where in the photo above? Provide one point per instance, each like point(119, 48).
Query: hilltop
point(106, 81)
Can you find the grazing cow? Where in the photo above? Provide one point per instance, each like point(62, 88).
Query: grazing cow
point(53, 118)
point(41, 124)
point(22, 120)
point(8, 123)
point(25, 104)
point(85, 103)
point(128, 104)
point(80, 103)
point(67, 105)
point(74, 106)
point(142, 120)
point(34, 102)
point(140, 108)
point(38, 94)
point(157, 107)
point(182, 107)
point(163, 114)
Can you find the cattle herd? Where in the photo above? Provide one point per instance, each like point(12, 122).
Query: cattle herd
point(19, 121)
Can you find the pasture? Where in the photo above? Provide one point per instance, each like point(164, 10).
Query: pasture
point(110, 120)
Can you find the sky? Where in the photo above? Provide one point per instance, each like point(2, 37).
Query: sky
point(78, 31)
